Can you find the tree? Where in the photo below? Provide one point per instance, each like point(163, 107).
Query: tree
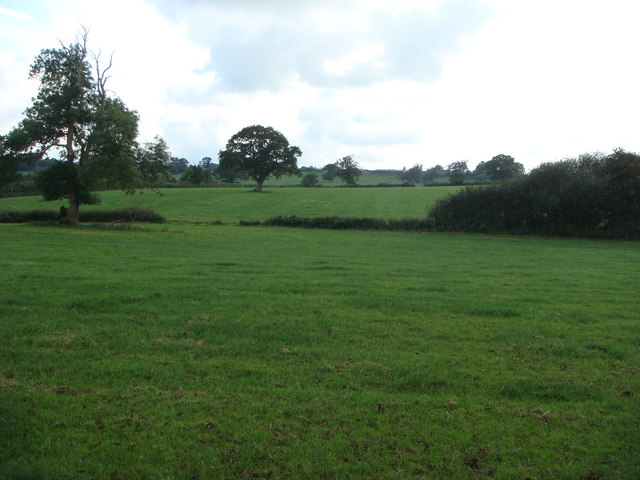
point(431, 174)
point(457, 172)
point(207, 162)
point(503, 167)
point(310, 180)
point(94, 132)
point(329, 172)
point(260, 152)
point(178, 165)
point(348, 170)
point(197, 175)
point(8, 164)
point(413, 175)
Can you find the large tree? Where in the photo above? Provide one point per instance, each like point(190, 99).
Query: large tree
point(458, 172)
point(503, 167)
point(94, 131)
point(260, 152)
point(348, 170)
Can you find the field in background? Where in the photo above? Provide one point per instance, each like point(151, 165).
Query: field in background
point(185, 351)
point(233, 204)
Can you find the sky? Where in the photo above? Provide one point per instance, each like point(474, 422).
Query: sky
point(393, 82)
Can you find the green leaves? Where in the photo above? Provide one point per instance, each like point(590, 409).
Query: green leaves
point(260, 152)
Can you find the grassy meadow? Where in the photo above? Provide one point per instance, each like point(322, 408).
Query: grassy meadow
point(230, 205)
point(197, 351)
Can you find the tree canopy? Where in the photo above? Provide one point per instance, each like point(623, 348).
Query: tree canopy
point(94, 132)
point(260, 152)
point(412, 175)
point(458, 172)
point(502, 167)
point(348, 170)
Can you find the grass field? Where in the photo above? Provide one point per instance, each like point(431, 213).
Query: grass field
point(234, 204)
point(187, 351)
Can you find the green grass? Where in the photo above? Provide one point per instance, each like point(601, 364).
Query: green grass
point(233, 204)
point(186, 351)
point(368, 179)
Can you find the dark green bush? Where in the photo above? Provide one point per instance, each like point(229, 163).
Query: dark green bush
point(13, 216)
point(591, 196)
point(131, 214)
point(349, 223)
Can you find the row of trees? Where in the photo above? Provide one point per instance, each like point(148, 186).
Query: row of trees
point(499, 168)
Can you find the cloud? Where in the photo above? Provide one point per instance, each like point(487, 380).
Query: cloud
point(270, 45)
point(14, 14)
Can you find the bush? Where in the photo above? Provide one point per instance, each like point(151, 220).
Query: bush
point(131, 214)
point(591, 196)
point(13, 216)
point(348, 223)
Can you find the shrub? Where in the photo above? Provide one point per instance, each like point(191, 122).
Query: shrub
point(593, 195)
point(131, 214)
point(13, 216)
point(349, 223)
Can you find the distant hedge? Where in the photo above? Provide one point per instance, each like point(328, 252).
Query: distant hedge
point(346, 223)
point(131, 214)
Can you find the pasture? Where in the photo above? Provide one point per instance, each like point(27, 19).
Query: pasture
point(197, 351)
point(230, 205)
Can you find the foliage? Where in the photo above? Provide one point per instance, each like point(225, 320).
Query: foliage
point(310, 180)
point(593, 195)
point(197, 175)
point(502, 167)
point(329, 172)
point(458, 172)
point(349, 223)
point(130, 214)
point(94, 132)
point(412, 175)
point(207, 162)
point(178, 165)
point(348, 170)
point(260, 152)
point(8, 164)
point(431, 174)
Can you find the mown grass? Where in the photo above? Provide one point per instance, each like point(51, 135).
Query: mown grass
point(368, 179)
point(234, 204)
point(186, 351)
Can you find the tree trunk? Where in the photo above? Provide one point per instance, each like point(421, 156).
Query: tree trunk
point(74, 201)
point(259, 185)
point(73, 213)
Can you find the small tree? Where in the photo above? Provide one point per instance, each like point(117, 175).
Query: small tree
point(329, 172)
point(348, 170)
point(94, 132)
point(260, 152)
point(431, 174)
point(310, 180)
point(457, 172)
point(197, 175)
point(413, 175)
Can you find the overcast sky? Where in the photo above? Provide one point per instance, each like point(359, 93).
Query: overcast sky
point(395, 82)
